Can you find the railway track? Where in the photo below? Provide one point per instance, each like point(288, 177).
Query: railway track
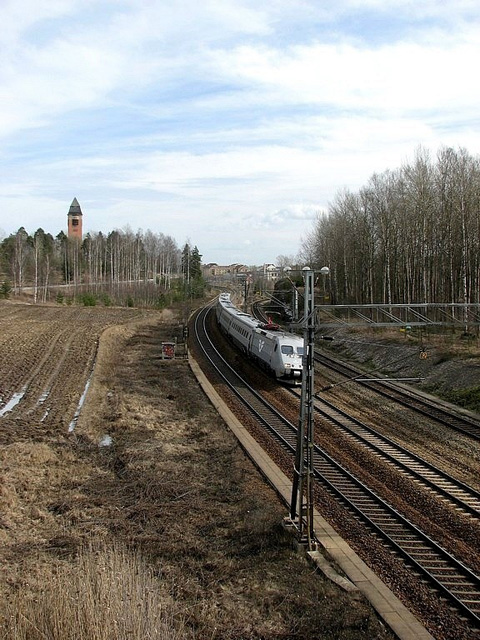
point(447, 577)
point(463, 424)
point(442, 485)
point(459, 495)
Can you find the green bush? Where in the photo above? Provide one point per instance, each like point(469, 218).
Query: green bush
point(88, 300)
point(161, 302)
point(468, 398)
point(5, 289)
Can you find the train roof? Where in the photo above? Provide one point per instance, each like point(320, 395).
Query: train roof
point(284, 337)
point(256, 325)
point(245, 318)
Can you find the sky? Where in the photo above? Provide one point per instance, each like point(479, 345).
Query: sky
point(228, 124)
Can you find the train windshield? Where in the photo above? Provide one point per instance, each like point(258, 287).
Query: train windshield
point(288, 350)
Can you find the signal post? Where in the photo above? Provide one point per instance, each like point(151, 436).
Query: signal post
point(301, 504)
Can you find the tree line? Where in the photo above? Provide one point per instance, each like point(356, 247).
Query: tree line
point(409, 235)
point(121, 267)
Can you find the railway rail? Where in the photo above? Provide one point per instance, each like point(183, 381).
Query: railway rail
point(443, 485)
point(458, 494)
point(447, 577)
point(463, 424)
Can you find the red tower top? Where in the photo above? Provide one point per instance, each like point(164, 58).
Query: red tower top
point(75, 220)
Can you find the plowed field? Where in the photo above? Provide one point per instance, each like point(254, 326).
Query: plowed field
point(46, 358)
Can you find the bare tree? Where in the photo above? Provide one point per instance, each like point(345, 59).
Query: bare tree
point(412, 234)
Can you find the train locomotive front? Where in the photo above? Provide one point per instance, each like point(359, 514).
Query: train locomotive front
point(278, 352)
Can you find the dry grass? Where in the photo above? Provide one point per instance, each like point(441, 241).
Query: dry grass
point(104, 595)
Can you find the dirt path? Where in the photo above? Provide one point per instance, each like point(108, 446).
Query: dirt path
point(169, 483)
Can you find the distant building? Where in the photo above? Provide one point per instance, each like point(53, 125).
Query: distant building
point(271, 272)
point(212, 269)
point(268, 272)
point(75, 221)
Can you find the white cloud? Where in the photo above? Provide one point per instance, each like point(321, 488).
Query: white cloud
point(403, 77)
point(18, 16)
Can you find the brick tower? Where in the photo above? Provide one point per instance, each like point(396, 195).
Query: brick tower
point(75, 221)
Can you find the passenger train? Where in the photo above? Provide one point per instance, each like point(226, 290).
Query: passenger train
point(278, 352)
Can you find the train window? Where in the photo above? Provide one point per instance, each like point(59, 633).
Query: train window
point(287, 349)
point(300, 351)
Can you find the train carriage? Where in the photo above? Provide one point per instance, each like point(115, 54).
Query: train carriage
point(278, 352)
point(236, 324)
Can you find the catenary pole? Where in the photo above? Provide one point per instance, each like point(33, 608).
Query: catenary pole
point(301, 505)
